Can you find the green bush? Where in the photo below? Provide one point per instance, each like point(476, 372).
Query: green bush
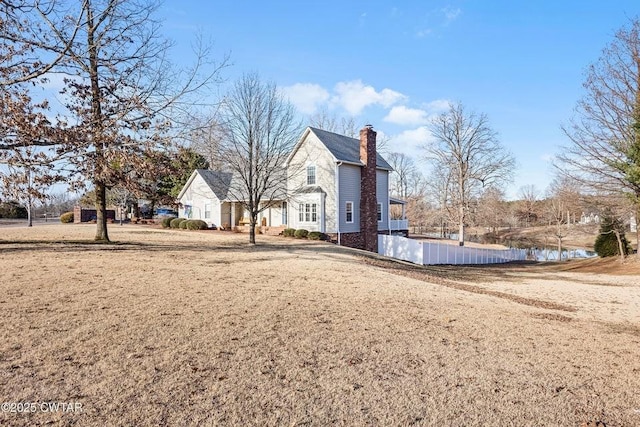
point(66, 217)
point(175, 223)
point(195, 224)
point(289, 232)
point(166, 222)
point(12, 210)
point(301, 233)
point(607, 243)
point(183, 224)
point(316, 235)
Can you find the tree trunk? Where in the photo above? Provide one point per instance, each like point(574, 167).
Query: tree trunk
point(461, 226)
point(29, 213)
point(638, 230)
point(101, 211)
point(620, 245)
point(96, 116)
point(252, 230)
point(559, 249)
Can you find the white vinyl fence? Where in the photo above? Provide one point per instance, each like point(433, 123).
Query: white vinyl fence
point(427, 253)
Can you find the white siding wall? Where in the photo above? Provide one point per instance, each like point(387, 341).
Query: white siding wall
point(349, 192)
point(273, 215)
point(382, 194)
point(312, 152)
point(197, 195)
point(225, 215)
point(294, 212)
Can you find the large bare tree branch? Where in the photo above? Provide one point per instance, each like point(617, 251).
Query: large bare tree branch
point(466, 150)
point(604, 136)
point(259, 131)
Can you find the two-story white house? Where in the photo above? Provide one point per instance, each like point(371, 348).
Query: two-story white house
point(340, 186)
point(335, 184)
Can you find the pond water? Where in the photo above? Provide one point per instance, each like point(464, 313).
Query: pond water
point(552, 254)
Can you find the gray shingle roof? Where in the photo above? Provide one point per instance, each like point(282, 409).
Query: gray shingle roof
point(311, 189)
point(229, 185)
point(219, 182)
point(345, 149)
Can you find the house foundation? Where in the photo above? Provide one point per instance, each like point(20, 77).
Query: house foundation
point(352, 240)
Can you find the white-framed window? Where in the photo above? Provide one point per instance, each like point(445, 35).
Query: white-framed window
point(379, 212)
point(284, 212)
point(311, 175)
point(308, 212)
point(207, 210)
point(349, 211)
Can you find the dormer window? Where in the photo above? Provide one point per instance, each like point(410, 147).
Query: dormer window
point(311, 175)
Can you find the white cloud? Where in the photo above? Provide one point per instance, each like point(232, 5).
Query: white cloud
point(451, 14)
point(362, 21)
point(437, 106)
point(438, 19)
point(306, 97)
point(412, 139)
point(402, 115)
point(423, 33)
point(354, 96)
point(405, 116)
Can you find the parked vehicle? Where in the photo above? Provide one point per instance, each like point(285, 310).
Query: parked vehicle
point(164, 212)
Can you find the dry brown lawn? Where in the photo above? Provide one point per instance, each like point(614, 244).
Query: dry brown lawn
point(198, 328)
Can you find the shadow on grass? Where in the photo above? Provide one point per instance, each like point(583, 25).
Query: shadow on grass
point(455, 277)
point(272, 250)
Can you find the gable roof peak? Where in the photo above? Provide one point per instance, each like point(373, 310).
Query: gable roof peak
point(344, 148)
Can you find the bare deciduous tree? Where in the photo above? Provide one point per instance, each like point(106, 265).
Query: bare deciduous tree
point(404, 174)
point(440, 190)
point(527, 205)
point(27, 49)
point(556, 208)
point(26, 164)
point(331, 123)
point(492, 209)
point(467, 148)
point(562, 202)
point(260, 129)
point(120, 90)
point(604, 148)
point(206, 139)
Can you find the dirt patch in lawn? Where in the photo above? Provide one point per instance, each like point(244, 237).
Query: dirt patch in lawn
point(198, 328)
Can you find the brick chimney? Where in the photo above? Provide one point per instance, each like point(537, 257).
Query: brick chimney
point(368, 199)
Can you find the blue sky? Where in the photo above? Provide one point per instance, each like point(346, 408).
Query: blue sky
point(395, 64)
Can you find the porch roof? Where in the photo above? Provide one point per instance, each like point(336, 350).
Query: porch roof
point(396, 201)
point(311, 189)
